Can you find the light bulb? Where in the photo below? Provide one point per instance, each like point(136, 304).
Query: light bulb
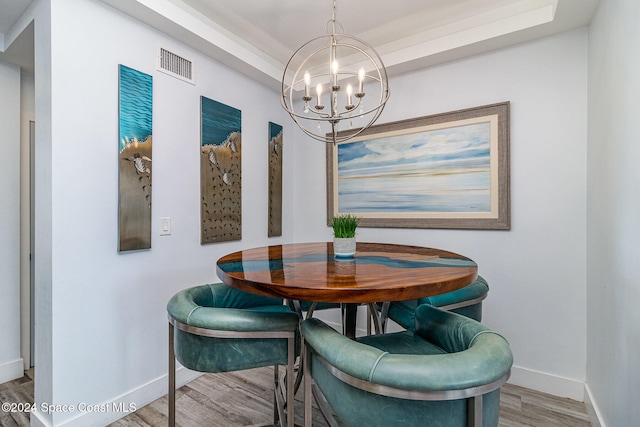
point(360, 80)
point(307, 82)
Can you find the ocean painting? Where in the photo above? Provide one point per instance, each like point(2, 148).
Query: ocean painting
point(134, 159)
point(444, 170)
point(220, 172)
point(448, 170)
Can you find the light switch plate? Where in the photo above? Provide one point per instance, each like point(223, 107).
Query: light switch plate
point(165, 226)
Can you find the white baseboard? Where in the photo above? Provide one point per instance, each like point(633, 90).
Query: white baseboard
point(119, 407)
point(547, 383)
point(558, 386)
point(11, 370)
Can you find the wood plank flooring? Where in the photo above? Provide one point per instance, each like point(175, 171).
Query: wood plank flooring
point(16, 391)
point(245, 399)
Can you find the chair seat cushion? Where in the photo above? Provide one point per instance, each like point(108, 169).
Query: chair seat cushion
point(405, 342)
point(306, 305)
point(271, 309)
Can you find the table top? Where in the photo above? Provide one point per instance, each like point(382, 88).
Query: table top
point(378, 272)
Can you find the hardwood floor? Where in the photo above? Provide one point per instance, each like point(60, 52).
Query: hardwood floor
point(245, 399)
point(16, 391)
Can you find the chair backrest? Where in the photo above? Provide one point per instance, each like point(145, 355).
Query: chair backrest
point(466, 301)
point(218, 295)
point(463, 297)
point(366, 384)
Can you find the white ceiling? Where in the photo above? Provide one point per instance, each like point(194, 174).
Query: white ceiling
point(15, 48)
point(257, 37)
point(10, 11)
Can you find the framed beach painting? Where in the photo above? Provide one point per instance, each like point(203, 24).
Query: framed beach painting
point(220, 172)
point(448, 170)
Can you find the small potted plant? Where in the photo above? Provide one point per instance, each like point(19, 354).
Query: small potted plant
point(344, 235)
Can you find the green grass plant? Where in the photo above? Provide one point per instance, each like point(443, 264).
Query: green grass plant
point(344, 226)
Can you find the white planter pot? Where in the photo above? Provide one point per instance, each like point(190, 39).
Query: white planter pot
point(344, 247)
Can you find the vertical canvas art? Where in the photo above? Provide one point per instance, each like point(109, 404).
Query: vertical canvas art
point(134, 159)
point(220, 172)
point(275, 180)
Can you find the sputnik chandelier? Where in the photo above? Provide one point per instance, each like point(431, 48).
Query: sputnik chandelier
point(339, 70)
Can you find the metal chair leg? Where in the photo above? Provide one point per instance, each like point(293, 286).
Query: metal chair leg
point(172, 380)
point(384, 315)
point(282, 399)
point(290, 380)
point(474, 411)
point(307, 386)
point(276, 390)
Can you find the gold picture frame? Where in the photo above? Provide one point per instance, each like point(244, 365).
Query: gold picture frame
point(448, 170)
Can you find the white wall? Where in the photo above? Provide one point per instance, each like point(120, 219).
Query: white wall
point(108, 327)
point(537, 270)
point(10, 361)
point(613, 371)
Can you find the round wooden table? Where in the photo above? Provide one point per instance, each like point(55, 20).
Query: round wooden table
point(378, 272)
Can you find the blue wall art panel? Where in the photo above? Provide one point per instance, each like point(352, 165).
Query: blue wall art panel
point(220, 172)
point(134, 160)
point(275, 180)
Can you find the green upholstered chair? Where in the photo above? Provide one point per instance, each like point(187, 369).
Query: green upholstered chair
point(216, 328)
point(447, 371)
point(466, 301)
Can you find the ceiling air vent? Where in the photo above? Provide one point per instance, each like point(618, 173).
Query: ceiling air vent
point(176, 66)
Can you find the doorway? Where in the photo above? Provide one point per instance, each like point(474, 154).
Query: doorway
point(27, 256)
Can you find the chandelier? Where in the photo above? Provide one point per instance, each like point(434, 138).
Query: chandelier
point(325, 82)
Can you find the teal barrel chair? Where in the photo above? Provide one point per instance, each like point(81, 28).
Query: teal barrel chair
point(446, 371)
point(216, 328)
point(466, 301)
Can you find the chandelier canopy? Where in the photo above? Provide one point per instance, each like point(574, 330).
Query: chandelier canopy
point(339, 70)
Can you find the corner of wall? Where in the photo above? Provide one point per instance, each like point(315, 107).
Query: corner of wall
point(592, 408)
point(548, 383)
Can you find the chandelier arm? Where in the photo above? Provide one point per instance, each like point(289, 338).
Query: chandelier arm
point(352, 133)
point(344, 114)
point(383, 97)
